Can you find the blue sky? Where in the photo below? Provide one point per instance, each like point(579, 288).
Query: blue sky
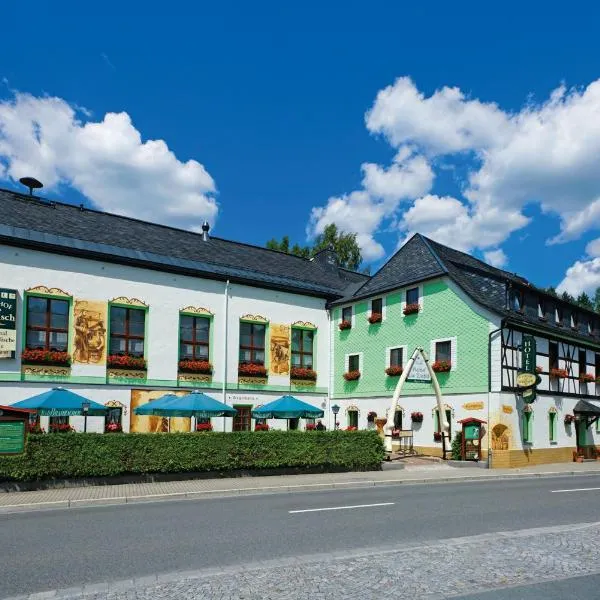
point(271, 100)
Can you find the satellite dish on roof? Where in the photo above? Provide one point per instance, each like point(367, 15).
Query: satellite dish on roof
point(32, 183)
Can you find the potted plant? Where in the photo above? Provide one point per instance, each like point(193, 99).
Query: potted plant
point(206, 426)
point(558, 373)
point(252, 370)
point(416, 417)
point(437, 436)
point(125, 361)
point(345, 325)
point(54, 358)
point(261, 427)
point(569, 419)
point(587, 378)
point(441, 366)
point(394, 371)
point(411, 309)
point(113, 427)
point(302, 373)
point(352, 375)
point(375, 318)
point(195, 366)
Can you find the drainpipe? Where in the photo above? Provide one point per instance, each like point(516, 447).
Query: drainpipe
point(226, 327)
point(489, 431)
point(331, 363)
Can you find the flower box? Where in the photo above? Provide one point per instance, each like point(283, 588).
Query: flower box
point(310, 427)
point(31, 356)
point(587, 378)
point(195, 366)
point(302, 373)
point(124, 361)
point(393, 371)
point(352, 375)
point(441, 366)
point(375, 318)
point(345, 325)
point(351, 428)
point(261, 427)
point(252, 370)
point(371, 416)
point(113, 428)
point(61, 428)
point(412, 309)
point(204, 427)
point(569, 419)
point(539, 370)
point(558, 374)
point(416, 417)
point(437, 436)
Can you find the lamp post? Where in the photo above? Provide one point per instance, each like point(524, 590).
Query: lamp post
point(85, 407)
point(335, 409)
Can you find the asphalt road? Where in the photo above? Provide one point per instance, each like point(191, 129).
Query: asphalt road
point(63, 548)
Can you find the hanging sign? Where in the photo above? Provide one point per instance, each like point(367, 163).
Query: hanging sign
point(419, 371)
point(8, 323)
point(528, 353)
point(527, 379)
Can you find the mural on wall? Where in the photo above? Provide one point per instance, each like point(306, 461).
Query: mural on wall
point(89, 319)
point(280, 349)
point(500, 437)
point(143, 424)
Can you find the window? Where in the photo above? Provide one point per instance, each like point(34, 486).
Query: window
point(412, 296)
point(113, 420)
point(443, 351)
point(516, 300)
point(396, 357)
point(553, 355)
point(436, 417)
point(541, 309)
point(582, 362)
point(353, 418)
point(558, 315)
point(354, 362)
point(241, 421)
point(347, 314)
point(527, 425)
point(47, 324)
point(302, 348)
point(252, 343)
point(597, 366)
point(377, 306)
point(552, 418)
point(57, 424)
point(398, 419)
point(127, 331)
point(574, 320)
point(194, 338)
point(293, 424)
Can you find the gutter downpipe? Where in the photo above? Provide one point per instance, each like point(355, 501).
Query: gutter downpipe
point(489, 433)
point(330, 375)
point(226, 313)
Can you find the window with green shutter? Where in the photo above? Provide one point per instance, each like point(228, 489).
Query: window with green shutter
point(552, 418)
point(527, 426)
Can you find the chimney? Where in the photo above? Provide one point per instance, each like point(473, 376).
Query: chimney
point(327, 258)
point(205, 230)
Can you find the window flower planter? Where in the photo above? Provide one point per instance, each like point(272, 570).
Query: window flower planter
point(345, 325)
point(262, 427)
point(558, 374)
point(61, 428)
point(437, 436)
point(124, 361)
point(539, 370)
point(204, 427)
point(352, 375)
point(304, 374)
point(195, 366)
point(113, 428)
point(569, 419)
point(45, 357)
point(393, 371)
point(441, 366)
point(411, 309)
point(416, 417)
point(587, 378)
point(375, 318)
point(252, 370)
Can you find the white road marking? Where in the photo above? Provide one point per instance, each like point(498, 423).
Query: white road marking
point(307, 510)
point(576, 490)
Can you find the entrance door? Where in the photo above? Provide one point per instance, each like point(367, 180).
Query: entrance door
point(243, 419)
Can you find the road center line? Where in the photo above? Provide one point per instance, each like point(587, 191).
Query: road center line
point(307, 510)
point(576, 490)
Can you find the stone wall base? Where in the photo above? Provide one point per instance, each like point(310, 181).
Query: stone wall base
point(505, 459)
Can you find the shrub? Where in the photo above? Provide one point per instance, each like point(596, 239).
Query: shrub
point(457, 446)
point(98, 455)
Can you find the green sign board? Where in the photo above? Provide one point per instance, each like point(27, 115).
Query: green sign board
point(8, 323)
point(527, 375)
point(528, 353)
point(471, 432)
point(12, 437)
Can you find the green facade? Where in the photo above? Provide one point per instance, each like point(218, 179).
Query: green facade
point(444, 314)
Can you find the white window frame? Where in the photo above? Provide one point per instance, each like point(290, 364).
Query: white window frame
point(388, 351)
point(420, 288)
point(347, 361)
point(351, 307)
point(383, 306)
point(453, 355)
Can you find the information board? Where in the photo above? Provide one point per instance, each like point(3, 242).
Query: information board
point(8, 323)
point(419, 371)
point(12, 437)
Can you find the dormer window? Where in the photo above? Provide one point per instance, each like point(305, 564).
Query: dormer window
point(558, 315)
point(542, 309)
point(590, 328)
point(516, 300)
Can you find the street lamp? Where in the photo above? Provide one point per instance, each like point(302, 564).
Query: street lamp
point(335, 409)
point(85, 408)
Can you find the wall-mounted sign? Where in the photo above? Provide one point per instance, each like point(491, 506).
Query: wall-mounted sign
point(527, 379)
point(8, 323)
point(473, 406)
point(12, 437)
point(419, 371)
point(507, 410)
point(528, 352)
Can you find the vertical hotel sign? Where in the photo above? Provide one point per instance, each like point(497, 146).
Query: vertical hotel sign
point(527, 379)
point(8, 323)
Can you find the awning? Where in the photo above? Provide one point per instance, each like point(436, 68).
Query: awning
point(195, 404)
point(287, 407)
point(59, 402)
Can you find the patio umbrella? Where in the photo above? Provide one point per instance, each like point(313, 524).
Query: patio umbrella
point(287, 407)
point(59, 402)
point(195, 404)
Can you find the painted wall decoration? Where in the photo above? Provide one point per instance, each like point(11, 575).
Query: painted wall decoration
point(8, 323)
point(473, 406)
point(280, 349)
point(143, 424)
point(89, 322)
point(500, 437)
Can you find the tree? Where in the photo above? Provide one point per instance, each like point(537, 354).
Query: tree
point(597, 300)
point(567, 297)
point(344, 245)
point(552, 291)
point(584, 301)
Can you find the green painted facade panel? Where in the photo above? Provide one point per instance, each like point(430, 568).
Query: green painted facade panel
point(444, 314)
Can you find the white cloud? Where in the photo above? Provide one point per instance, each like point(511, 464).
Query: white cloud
point(107, 161)
point(496, 258)
point(583, 276)
point(593, 248)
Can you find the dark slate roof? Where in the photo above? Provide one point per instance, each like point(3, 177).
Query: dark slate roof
point(68, 229)
point(587, 408)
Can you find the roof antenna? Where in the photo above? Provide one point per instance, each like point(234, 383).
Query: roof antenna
point(31, 183)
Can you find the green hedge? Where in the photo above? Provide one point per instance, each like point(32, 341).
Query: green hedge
point(71, 455)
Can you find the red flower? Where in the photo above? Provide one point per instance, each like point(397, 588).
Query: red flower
point(35, 428)
point(411, 309)
point(441, 366)
point(261, 427)
point(569, 419)
point(61, 428)
point(204, 426)
point(37, 356)
point(352, 375)
point(587, 378)
point(394, 371)
point(375, 318)
point(113, 428)
point(301, 373)
point(124, 361)
point(252, 370)
point(195, 366)
point(558, 373)
point(310, 427)
point(351, 428)
point(345, 325)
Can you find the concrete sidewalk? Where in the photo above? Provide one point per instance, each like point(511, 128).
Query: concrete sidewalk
point(210, 488)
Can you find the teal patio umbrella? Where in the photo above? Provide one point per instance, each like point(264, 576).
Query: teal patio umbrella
point(59, 402)
point(287, 407)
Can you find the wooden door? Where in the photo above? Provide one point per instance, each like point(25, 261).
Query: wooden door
point(243, 420)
